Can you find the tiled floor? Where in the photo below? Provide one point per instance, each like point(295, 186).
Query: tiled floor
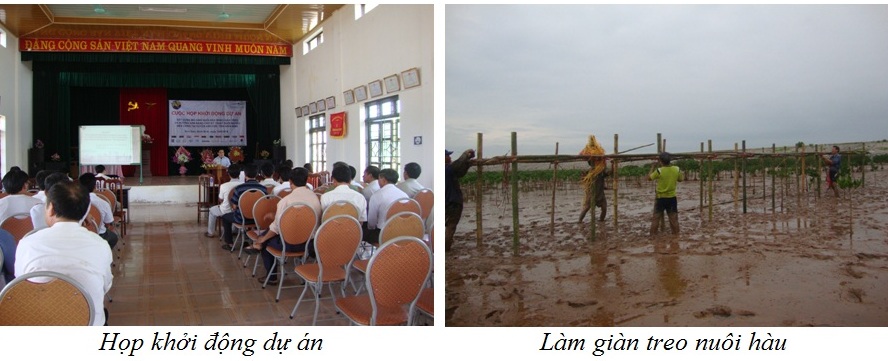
point(169, 274)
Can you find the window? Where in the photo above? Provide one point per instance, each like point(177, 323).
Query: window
point(316, 131)
point(313, 42)
point(2, 38)
point(361, 9)
point(382, 132)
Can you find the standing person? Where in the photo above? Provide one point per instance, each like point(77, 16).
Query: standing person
point(667, 177)
point(600, 200)
point(834, 161)
point(67, 247)
point(594, 179)
point(453, 206)
point(221, 159)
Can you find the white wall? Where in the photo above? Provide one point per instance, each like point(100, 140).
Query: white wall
point(387, 40)
point(15, 104)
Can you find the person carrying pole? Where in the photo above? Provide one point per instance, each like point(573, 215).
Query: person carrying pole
point(593, 181)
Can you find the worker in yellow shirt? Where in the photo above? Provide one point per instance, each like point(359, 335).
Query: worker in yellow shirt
point(667, 177)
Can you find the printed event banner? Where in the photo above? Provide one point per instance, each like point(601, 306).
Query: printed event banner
point(154, 46)
point(208, 123)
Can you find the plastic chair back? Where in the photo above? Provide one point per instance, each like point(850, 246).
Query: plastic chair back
point(426, 200)
point(404, 224)
point(340, 208)
point(396, 275)
point(297, 224)
point(264, 210)
point(403, 205)
point(18, 225)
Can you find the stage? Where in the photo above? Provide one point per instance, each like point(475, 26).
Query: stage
point(162, 190)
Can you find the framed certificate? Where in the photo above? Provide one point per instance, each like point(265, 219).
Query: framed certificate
point(312, 108)
point(349, 96)
point(361, 93)
point(410, 77)
point(331, 102)
point(322, 106)
point(305, 110)
point(375, 88)
point(298, 112)
point(392, 84)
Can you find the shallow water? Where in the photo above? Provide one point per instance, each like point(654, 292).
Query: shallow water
point(795, 265)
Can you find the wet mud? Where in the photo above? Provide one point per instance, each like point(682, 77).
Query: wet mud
point(794, 264)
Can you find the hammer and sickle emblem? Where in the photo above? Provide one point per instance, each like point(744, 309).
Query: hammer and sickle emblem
point(132, 106)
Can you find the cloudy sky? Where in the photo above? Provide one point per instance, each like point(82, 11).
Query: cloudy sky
point(764, 74)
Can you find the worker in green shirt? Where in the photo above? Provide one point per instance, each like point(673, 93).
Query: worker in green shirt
point(667, 176)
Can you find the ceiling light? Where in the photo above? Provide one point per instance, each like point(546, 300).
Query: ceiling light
point(224, 16)
point(98, 9)
point(162, 9)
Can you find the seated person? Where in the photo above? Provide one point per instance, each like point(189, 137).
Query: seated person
point(236, 217)
point(67, 247)
point(100, 173)
point(285, 174)
point(224, 205)
point(15, 182)
point(371, 178)
point(272, 238)
point(221, 159)
point(267, 171)
point(380, 203)
point(37, 211)
point(7, 248)
point(41, 188)
point(342, 192)
point(105, 225)
point(410, 185)
point(354, 184)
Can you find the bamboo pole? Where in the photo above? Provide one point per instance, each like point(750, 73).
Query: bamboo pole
point(700, 175)
point(515, 194)
point(773, 177)
point(615, 173)
point(818, 149)
point(709, 178)
point(479, 193)
point(743, 166)
point(804, 171)
point(764, 177)
point(554, 186)
point(736, 178)
point(865, 159)
point(660, 150)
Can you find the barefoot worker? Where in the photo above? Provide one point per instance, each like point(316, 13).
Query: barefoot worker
point(593, 181)
point(453, 206)
point(834, 161)
point(667, 177)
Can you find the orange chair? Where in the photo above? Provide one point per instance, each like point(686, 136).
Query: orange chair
point(18, 225)
point(245, 204)
point(297, 225)
point(93, 217)
point(335, 244)
point(426, 200)
point(426, 302)
point(395, 276)
point(340, 208)
point(400, 225)
point(263, 213)
point(403, 205)
point(61, 301)
point(116, 186)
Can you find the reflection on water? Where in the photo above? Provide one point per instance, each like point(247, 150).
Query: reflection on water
point(669, 268)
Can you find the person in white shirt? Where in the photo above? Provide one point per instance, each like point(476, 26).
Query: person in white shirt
point(371, 178)
point(68, 248)
point(382, 200)
point(357, 186)
point(267, 171)
point(410, 185)
point(15, 182)
point(40, 178)
point(105, 225)
point(342, 191)
point(37, 211)
point(222, 160)
point(100, 172)
point(284, 173)
point(225, 205)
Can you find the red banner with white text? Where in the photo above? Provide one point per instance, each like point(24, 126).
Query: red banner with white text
point(154, 46)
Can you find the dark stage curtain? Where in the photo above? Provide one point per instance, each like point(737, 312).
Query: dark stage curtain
point(59, 80)
point(152, 113)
